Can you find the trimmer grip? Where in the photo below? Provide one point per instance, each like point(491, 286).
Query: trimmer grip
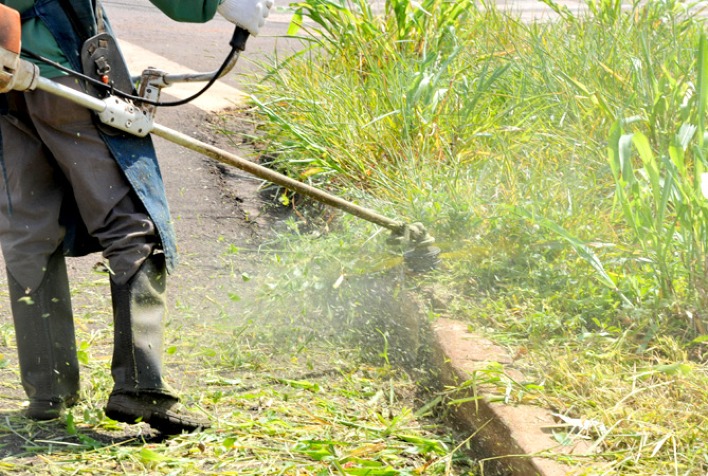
point(238, 40)
point(10, 29)
point(15, 73)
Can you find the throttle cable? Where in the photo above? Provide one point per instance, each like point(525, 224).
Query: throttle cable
point(123, 94)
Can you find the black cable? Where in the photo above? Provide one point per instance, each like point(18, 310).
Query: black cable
point(132, 97)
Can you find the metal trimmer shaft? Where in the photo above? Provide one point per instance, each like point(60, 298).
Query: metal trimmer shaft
point(423, 257)
point(274, 177)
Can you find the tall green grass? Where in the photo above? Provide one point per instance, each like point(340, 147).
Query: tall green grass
point(560, 166)
point(458, 115)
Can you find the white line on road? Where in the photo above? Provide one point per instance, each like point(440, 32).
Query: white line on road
point(219, 96)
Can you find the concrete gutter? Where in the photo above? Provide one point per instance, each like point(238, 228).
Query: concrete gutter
point(508, 437)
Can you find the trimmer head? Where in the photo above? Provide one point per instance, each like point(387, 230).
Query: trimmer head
point(423, 257)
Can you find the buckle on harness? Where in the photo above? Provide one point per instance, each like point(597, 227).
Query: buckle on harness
point(102, 60)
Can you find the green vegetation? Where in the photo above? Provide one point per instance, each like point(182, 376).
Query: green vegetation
point(561, 167)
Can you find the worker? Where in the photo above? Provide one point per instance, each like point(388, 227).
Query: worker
point(70, 187)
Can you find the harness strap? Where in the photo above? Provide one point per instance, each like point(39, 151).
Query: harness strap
point(80, 27)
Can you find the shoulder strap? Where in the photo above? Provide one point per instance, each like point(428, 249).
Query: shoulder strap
point(80, 27)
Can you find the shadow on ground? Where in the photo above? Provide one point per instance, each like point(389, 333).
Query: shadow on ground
point(21, 437)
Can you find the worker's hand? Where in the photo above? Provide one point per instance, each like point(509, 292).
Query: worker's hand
point(248, 14)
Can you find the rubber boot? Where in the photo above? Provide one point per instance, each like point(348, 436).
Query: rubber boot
point(46, 343)
point(139, 392)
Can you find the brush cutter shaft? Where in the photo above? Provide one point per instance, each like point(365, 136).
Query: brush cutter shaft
point(274, 177)
point(89, 102)
point(112, 111)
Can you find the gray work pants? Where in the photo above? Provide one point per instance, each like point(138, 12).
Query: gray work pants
point(51, 149)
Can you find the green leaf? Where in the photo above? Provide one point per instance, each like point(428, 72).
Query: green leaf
point(700, 339)
point(70, 424)
point(668, 369)
point(459, 401)
point(425, 445)
point(674, 369)
point(625, 158)
point(295, 23)
point(304, 384)
point(702, 86)
point(149, 456)
point(685, 134)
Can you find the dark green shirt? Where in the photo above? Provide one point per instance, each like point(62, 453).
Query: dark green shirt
point(37, 38)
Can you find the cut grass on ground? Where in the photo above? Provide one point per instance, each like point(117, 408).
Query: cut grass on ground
point(282, 400)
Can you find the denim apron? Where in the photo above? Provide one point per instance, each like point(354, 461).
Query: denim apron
point(135, 155)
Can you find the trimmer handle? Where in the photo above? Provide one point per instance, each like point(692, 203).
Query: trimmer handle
point(15, 73)
point(239, 38)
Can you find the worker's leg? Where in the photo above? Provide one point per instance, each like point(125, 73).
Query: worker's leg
point(138, 307)
point(116, 217)
point(46, 345)
point(108, 205)
point(30, 200)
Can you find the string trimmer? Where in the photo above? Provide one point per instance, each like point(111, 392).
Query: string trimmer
point(108, 81)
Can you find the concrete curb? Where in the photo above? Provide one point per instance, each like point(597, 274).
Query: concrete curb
point(507, 435)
